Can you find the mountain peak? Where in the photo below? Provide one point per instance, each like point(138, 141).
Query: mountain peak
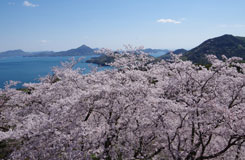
point(83, 46)
point(226, 35)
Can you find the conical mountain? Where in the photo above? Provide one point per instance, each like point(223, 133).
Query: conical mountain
point(80, 51)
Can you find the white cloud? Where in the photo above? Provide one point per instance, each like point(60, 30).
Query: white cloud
point(43, 41)
point(11, 3)
point(168, 21)
point(29, 4)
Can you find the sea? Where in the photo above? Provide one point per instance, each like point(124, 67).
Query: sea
point(31, 69)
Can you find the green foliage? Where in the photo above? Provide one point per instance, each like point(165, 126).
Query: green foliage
point(56, 79)
point(208, 66)
point(7, 147)
point(25, 90)
point(94, 157)
point(153, 80)
point(6, 128)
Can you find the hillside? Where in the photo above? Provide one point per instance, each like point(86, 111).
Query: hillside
point(227, 45)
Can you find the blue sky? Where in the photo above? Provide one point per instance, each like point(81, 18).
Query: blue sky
point(38, 25)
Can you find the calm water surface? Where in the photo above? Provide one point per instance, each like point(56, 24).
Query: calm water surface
point(30, 69)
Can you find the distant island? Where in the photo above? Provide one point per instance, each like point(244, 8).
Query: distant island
point(80, 51)
point(14, 53)
point(102, 60)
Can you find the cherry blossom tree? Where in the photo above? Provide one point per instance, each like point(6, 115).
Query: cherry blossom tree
point(138, 110)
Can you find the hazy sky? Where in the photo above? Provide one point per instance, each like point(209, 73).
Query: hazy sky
point(37, 25)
